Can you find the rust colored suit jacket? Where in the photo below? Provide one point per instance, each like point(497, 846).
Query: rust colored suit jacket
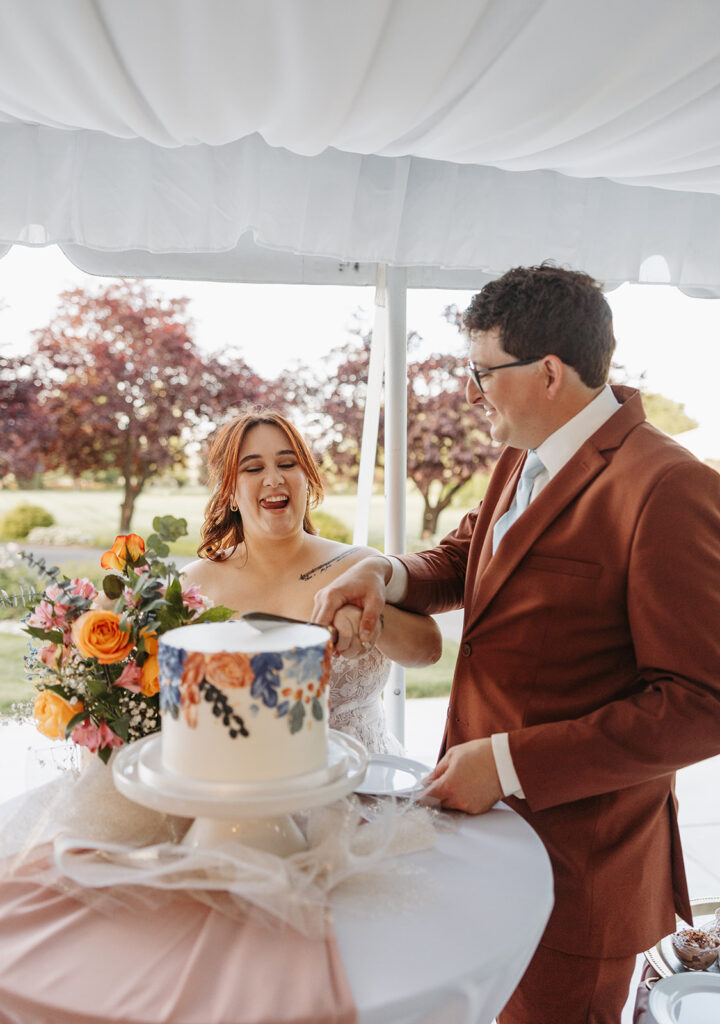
point(592, 637)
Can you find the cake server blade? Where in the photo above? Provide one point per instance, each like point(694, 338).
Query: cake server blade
point(265, 621)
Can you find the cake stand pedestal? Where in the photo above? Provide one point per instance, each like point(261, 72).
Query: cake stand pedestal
point(257, 814)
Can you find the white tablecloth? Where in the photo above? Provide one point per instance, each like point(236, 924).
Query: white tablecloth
point(457, 955)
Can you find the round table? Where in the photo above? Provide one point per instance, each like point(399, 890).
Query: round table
point(447, 946)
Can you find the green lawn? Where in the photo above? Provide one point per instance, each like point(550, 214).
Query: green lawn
point(14, 688)
point(97, 513)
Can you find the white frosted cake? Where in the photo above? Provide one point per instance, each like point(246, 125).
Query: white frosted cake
point(240, 705)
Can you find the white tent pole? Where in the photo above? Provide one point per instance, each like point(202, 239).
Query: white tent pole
point(396, 462)
point(371, 420)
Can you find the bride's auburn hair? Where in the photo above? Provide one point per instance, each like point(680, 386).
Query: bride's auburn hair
point(222, 529)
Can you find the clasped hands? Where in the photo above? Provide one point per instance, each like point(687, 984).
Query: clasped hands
point(347, 623)
point(465, 778)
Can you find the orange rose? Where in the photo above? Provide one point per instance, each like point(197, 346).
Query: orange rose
point(97, 634)
point(52, 714)
point(127, 547)
point(150, 638)
point(149, 679)
point(225, 669)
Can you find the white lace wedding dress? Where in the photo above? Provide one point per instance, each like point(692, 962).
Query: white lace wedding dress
point(355, 704)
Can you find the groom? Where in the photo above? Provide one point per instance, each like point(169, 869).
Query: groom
point(589, 669)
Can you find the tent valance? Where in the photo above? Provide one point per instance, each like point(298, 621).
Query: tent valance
point(445, 137)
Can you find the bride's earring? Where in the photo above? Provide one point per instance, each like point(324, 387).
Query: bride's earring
point(233, 507)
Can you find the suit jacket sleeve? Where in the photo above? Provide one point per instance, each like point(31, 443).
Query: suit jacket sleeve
point(673, 609)
point(436, 578)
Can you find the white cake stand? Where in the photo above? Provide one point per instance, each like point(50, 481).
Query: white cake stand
point(257, 814)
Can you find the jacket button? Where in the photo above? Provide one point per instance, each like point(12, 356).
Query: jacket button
point(466, 650)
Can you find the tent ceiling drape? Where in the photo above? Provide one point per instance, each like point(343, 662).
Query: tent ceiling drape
point(290, 139)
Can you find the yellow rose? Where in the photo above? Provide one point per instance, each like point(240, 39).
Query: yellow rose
point(52, 714)
point(149, 680)
point(127, 547)
point(97, 634)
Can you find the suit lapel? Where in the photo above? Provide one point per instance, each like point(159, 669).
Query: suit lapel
point(583, 467)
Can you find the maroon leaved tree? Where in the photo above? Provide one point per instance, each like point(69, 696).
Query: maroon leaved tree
point(27, 432)
point(448, 440)
point(125, 386)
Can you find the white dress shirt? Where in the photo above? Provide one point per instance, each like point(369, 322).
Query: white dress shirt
point(554, 452)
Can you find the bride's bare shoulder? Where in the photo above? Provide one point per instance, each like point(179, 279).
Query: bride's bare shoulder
point(203, 570)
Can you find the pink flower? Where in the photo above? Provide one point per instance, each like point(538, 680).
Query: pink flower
point(89, 735)
point(131, 600)
point(53, 592)
point(108, 738)
point(45, 616)
point(48, 655)
point(193, 599)
point(82, 587)
point(130, 677)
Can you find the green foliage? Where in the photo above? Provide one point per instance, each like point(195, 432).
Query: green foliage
point(666, 414)
point(21, 519)
point(330, 527)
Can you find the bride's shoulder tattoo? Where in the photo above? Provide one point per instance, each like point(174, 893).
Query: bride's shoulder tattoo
point(326, 565)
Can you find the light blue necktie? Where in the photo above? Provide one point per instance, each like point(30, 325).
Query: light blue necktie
point(532, 467)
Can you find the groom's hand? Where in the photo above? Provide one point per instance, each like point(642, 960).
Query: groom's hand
point(362, 585)
point(465, 779)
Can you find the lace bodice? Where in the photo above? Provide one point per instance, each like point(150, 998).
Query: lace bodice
point(355, 704)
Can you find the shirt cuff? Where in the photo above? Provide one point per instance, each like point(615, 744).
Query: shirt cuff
point(397, 585)
point(509, 781)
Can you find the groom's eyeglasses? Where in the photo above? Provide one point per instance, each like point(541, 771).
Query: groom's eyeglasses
point(478, 372)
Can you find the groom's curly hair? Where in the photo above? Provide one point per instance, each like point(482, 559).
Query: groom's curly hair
point(548, 310)
point(222, 529)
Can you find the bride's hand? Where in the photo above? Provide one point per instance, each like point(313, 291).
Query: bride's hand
point(347, 624)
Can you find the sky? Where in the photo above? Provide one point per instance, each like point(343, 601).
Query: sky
point(673, 339)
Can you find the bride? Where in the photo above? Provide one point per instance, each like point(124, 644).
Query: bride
point(261, 552)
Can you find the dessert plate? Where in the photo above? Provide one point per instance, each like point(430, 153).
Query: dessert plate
point(389, 775)
point(692, 998)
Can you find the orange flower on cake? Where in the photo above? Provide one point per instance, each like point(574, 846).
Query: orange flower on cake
point(126, 548)
point(97, 634)
point(52, 714)
point(226, 669)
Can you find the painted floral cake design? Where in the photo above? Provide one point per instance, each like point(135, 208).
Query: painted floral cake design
point(289, 684)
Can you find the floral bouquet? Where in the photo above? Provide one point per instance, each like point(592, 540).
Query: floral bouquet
point(96, 672)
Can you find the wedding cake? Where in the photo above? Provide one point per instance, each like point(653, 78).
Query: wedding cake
point(240, 705)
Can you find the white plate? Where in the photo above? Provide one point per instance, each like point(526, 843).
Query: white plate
point(686, 999)
point(389, 775)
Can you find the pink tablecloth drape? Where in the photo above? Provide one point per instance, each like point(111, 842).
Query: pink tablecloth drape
point(62, 962)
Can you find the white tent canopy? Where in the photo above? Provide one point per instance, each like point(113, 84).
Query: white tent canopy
point(178, 137)
point(327, 140)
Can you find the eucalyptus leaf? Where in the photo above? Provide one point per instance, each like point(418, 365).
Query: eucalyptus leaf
point(317, 709)
point(169, 528)
point(113, 586)
point(217, 614)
